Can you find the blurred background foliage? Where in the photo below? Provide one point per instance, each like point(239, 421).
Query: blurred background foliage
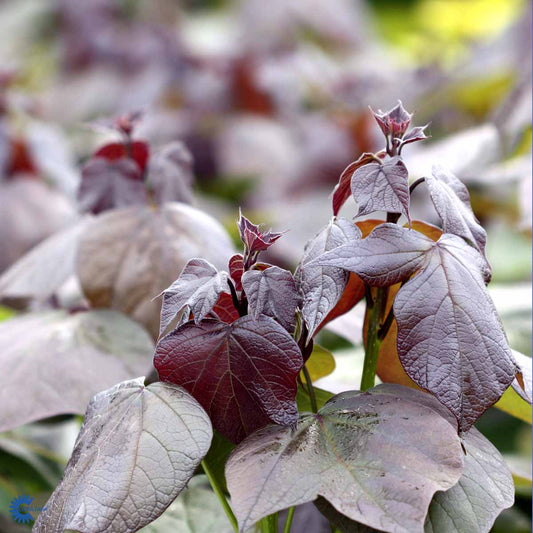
point(271, 98)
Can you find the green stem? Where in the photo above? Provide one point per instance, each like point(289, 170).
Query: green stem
point(221, 496)
point(311, 389)
point(269, 524)
point(288, 521)
point(373, 342)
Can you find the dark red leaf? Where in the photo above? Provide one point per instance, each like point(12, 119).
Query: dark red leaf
point(255, 240)
point(139, 151)
point(197, 288)
point(272, 292)
point(224, 309)
point(382, 187)
point(450, 339)
point(342, 190)
point(108, 184)
point(236, 269)
point(244, 374)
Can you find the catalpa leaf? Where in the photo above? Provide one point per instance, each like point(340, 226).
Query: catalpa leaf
point(450, 339)
point(126, 257)
point(390, 254)
point(484, 490)
point(64, 359)
point(393, 122)
point(377, 458)
point(225, 309)
point(198, 288)
point(244, 373)
point(110, 184)
point(136, 450)
point(272, 292)
point(255, 239)
point(170, 175)
point(320, 286)
point(343, 190)
point(452, 203)
point(382, 186)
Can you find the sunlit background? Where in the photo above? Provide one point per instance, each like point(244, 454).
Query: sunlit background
point(271, 97)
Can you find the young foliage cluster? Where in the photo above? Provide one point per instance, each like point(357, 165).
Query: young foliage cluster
point(234, 355)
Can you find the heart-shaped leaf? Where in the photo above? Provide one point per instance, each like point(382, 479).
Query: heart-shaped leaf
point(110, 184)
point(272, 292)
point(244, 373)
point(64, 359)
point(236, 270)
point(382, 186)
point(321, 286)
point(390, 254)
point(126, 257)
point(342, 190)
point(377, 458)
point(450, 339)
point(136, 450)
point(452, 202)
point(198, 288)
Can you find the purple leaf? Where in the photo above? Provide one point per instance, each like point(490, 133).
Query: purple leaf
point(85, 352)
point(108, 184)
point(244, 374)
point(170, 175)
point(452, 203)
point(342, 190)
point(272, 292)
point(322, 286)
point(414, 135)
point(136, 451)
point(198, 288)
point(390, 254)
point(255, 240)
point(377, 458)
point(382, 187)
point(393, 122)
point(450, 339)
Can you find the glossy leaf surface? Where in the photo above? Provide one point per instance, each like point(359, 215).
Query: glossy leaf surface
point(197, 288)
point(377, 458)
point(322, 287)
point(136, 450)
point(320, 364)
point(64, 359)
point(382, 187)
point(272, 292)
point(450, 339)
point(244, 374)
